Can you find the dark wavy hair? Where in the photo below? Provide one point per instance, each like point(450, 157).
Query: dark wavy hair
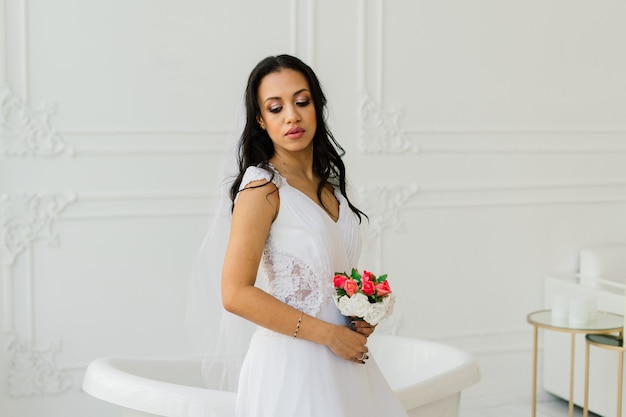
point(256, 148)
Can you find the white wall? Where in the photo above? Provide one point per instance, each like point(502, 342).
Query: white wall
point(488, 139)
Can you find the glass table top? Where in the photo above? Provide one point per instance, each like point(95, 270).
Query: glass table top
point(603, 321)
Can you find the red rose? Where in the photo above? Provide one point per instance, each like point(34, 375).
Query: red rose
point(383, 288)
point(339, 280)
point(368, 288)
point(367, 276)
point(351, 287)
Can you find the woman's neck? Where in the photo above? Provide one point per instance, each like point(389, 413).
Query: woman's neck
point(293, 165)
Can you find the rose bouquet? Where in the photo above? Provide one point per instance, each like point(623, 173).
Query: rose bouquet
point(364, 296)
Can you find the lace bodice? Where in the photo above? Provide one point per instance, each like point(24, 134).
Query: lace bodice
point(292, 280)
point(305, 247)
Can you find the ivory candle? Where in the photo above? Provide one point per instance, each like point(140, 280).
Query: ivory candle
point(578, 310)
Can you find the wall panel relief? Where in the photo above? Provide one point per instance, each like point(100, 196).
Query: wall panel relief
point(34, 370)
point(34, 364)
point(383, 205)
point(27, 219)
point(380, 130)
point(27, 131)
point(381, 125)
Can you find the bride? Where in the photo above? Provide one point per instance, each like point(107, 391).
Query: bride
point(292, 217)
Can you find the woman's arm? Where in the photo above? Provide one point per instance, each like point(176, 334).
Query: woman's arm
point(253, 215)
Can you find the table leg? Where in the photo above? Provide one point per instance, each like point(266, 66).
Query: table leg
point(571, 376)
point(534, 389)
point(620, 374)
point(586, 405)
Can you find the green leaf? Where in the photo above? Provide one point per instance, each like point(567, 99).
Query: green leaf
point(355, 275)
point(382, 278)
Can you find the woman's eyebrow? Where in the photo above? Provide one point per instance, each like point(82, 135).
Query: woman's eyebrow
point(278, 98)
point(300, 91)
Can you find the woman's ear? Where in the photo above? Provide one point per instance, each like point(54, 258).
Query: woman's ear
point(259, 120)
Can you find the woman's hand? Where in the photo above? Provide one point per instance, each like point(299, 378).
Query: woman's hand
point(363, 327)
point(348, 344)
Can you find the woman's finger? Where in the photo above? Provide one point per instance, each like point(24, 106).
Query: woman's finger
point(362, 327)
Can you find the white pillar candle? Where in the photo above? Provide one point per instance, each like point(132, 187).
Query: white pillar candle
point(560, 306)
point(578, 310)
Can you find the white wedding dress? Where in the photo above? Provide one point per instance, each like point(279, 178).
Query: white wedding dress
point(284, 376)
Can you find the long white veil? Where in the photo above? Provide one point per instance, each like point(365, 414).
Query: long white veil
point(221, 337)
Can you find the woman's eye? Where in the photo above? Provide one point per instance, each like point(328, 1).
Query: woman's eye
point(303, 103)
point(275, 109)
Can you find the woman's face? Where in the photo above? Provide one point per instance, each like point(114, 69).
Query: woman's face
point(287, 111)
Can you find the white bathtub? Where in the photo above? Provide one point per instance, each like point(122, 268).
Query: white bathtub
point(427, 378)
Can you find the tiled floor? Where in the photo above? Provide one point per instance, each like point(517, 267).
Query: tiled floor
point(547, 408)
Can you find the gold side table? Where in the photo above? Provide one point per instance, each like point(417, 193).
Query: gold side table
point(604, 323)
point(611, 342)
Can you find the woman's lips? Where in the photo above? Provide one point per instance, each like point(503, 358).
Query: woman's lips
point(295, 133)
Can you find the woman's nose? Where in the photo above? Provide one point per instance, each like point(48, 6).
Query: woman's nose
point(292, 114)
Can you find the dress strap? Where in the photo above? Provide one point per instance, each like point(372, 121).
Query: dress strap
point(254, 173)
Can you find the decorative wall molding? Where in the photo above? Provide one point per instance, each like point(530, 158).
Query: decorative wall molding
point(141, 214)
point(409, 140)
point(516, 148)
point(518, 203)
point(520, 186)
point(303, 18)
point(496, 190)
point(149, 141)
point(28, 132)
point(25, 131)
point(380, 129)
point(34, 371)
point(144, 195)
point(27, 218)
point(383, 204)
point(311, 15)
point(155, 210)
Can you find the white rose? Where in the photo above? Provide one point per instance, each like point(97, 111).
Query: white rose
point(344, 305)
point(360, 304)
point(376, 313)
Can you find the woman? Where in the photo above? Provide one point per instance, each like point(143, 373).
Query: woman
point(292, 216)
